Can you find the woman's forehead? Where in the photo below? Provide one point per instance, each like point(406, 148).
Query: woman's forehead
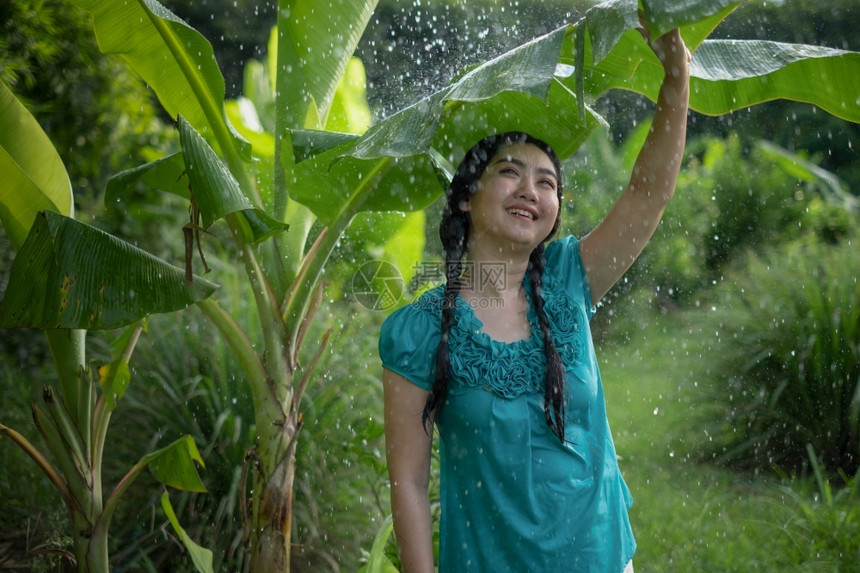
point(525, 153)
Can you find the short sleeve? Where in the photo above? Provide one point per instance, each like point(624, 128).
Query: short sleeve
point(564, 262)
point(408, 341)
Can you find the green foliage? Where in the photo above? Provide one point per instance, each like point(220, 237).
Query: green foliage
point(786, 367)
point(754, 201)
point(187, 384)
point(177, 62)
point(691, 516)
point(98, 114)
point(341, 480)
point(821, 528)
point(200, 556)
point(731, 199)
point(70, 275)
point(37, 177)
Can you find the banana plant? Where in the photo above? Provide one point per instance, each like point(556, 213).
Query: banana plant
point(236, 164)
point(68, 278)
point(286, 156)
point(547, 87)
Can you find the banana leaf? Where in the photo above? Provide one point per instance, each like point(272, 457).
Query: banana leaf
point(34, 177)
point(216, 191)
point(545, 88)
point(315, 61)
point(71, 275)
point(173, 58)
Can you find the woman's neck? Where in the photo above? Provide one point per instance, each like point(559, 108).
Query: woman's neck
point(497, 274)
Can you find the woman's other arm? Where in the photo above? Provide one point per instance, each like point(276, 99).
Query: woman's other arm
point(609, 250)
point(407, 449)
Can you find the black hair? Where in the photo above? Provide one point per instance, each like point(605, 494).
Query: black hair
point(454, 232)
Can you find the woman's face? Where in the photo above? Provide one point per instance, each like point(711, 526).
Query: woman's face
point(516, 202)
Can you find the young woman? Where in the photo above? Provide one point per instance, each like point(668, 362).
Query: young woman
point(500, 359)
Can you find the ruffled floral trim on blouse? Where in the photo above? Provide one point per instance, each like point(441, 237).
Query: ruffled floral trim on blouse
point(513, 369)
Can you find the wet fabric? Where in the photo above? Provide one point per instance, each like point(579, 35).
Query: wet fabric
point(513, 496)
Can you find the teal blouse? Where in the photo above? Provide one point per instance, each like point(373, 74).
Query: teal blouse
point(513, 496)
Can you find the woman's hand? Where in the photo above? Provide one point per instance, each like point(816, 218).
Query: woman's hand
point(672, 53)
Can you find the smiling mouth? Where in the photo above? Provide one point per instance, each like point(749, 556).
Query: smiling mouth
point(522, 213)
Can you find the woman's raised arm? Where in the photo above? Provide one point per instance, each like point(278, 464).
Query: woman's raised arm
point(610, 249)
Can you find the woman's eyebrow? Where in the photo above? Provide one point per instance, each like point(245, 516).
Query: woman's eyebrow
point(519, 163)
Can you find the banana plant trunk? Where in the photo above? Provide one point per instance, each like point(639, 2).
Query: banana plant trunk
point(75, 395)
point(91, 543)
point(273, 478)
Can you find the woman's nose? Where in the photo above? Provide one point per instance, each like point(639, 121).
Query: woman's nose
point(528, 190)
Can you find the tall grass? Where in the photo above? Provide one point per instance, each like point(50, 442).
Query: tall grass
point(341, 478)
point(184, 383)
point(787, 370)
point(688, 513)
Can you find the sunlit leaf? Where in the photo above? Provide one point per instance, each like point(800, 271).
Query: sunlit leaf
point(733, 74)
point(200, 556)
point(349, 111)
point(173, 58)
point(215, 190)
point(174, 465)
point(390, 236)
point(377, 561)
point(115, 376)
point(664, 15)
point(34, 177)
point(314, 46)
point(242, 113)
point(71, 275)
point(114, 379)
point(330, 183)
point(258, 85)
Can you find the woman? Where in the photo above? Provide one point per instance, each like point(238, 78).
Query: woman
point(501, 360)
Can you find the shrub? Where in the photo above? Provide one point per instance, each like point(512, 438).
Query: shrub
point(729, 198)
point(786, 364)
point(821, 528)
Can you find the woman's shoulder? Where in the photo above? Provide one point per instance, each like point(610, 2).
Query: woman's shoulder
point(426, 307)
point(409, 337)
point(562, 259)
point(564, 266)
point(560, 249)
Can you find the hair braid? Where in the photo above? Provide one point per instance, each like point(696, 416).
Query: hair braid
point(453, 231)
point(553, 403)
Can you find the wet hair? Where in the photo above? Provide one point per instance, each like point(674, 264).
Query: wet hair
point(454, 233)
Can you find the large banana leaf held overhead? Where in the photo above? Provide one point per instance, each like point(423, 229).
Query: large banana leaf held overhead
point(546, 88)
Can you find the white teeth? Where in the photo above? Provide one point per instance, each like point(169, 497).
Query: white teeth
point(522, 212)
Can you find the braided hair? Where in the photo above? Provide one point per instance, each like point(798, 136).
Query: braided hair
point(454, 232)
